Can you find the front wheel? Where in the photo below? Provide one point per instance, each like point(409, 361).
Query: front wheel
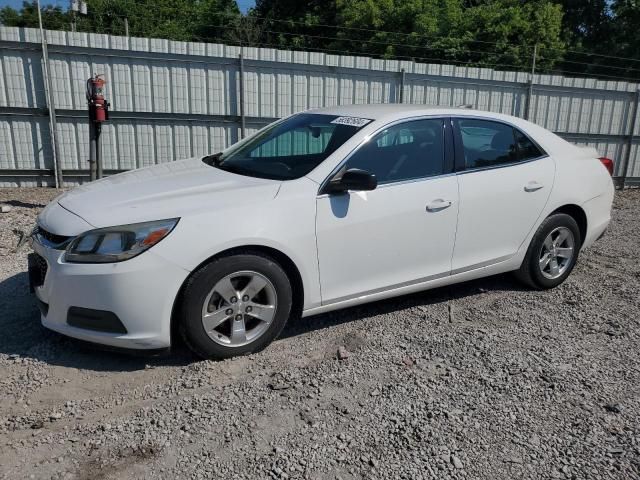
point(235, 305)
point(552, 254)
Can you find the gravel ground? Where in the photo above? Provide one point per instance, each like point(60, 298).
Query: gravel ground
point(480, 380)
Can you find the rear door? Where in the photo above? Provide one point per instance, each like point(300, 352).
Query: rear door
point(505, 180)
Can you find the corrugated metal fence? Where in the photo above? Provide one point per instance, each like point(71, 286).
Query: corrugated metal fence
point(173, 100)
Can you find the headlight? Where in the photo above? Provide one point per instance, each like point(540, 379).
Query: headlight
point(115, 244)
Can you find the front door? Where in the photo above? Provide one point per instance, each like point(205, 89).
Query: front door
point(403, 231)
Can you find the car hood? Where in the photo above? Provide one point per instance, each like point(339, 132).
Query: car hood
point(164, 191)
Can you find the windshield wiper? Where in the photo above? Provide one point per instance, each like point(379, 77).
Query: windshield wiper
point(213, 160)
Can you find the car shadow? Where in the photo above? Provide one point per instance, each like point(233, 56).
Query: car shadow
point(20, 203)
point(503, 282)
point(23, 336)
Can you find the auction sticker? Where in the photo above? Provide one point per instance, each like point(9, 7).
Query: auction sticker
point(352, 121)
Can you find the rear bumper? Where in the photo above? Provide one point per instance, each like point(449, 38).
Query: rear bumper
point(598, 211)
point(139, 293)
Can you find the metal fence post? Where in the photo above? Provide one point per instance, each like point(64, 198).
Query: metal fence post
point(632, 130)
point(59, 179)
point(402, 81)
point(527, 112)
point(241, 95)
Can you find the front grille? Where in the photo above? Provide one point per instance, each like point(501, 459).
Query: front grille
point(50, 240)
point(51, 237)
point(37, 270)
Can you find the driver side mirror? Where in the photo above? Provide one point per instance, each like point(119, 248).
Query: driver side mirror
point(352, 179)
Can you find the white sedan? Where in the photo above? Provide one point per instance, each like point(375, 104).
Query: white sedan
point(318, 211)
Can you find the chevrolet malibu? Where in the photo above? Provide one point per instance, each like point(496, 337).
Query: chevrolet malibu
point(318, 211)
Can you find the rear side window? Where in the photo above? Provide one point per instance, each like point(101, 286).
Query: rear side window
point(406, 151)
point(527, 150)
point(486, 144)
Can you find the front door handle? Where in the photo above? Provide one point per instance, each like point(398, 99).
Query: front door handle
point(438, 205)
point(533, 186)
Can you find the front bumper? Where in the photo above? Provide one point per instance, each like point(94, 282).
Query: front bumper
point(140, 292)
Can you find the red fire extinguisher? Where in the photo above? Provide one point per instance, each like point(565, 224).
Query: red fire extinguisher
point(98, 106)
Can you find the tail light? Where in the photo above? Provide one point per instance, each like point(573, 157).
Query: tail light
point(608, 164)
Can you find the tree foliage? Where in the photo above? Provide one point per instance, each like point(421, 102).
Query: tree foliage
point(575, 36)
point(499, 32)
point(187, 20)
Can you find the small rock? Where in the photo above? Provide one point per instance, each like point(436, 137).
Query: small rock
point(408, 361)
point(38, 424)
point(513, 460)
point(5, 209)
point(343, 353)
point(612, 407)
point(455, 461)
point(279, 386)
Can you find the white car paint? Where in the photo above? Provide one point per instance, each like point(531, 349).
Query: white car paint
point(351, 230)
point(348, 250)
point(509, 201)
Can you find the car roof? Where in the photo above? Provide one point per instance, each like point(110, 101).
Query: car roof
point(388, 112)
point(383, 111)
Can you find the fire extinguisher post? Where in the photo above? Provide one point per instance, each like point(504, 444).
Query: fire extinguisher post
point(98, 113)
point(93, 151)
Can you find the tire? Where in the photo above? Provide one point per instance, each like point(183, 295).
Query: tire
point(215, 284)
point(535, 270)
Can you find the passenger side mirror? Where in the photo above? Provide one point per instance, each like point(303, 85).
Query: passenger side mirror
point(352, 179)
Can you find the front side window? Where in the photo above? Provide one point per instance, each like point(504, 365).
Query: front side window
point(289, 149)
point(406, 151)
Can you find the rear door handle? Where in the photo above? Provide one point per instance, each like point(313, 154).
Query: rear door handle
point(533, 186)
point(438, 205)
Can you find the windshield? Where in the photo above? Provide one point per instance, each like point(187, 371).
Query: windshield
point(291, 148)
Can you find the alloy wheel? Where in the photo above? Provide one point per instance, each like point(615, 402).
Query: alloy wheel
point(557, 252)
point(239, 308)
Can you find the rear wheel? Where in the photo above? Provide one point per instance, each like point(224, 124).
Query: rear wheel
point(552, 254)
point(235, 305)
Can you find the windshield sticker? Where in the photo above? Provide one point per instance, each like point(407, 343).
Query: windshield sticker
point(352, 121)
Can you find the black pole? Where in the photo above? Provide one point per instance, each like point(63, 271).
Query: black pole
point(93, 150)
point(98, 153)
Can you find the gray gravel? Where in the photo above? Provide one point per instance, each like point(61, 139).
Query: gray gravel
point(480, 380)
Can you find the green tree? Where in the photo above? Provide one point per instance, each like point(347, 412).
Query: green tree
point(485, 32)
point(296, 24)
point(188, 20)
point(53, 18)
point(626, 34)
point(603, 38)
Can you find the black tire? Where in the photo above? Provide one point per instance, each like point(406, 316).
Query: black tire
point(529, 272)
point(200, 285)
